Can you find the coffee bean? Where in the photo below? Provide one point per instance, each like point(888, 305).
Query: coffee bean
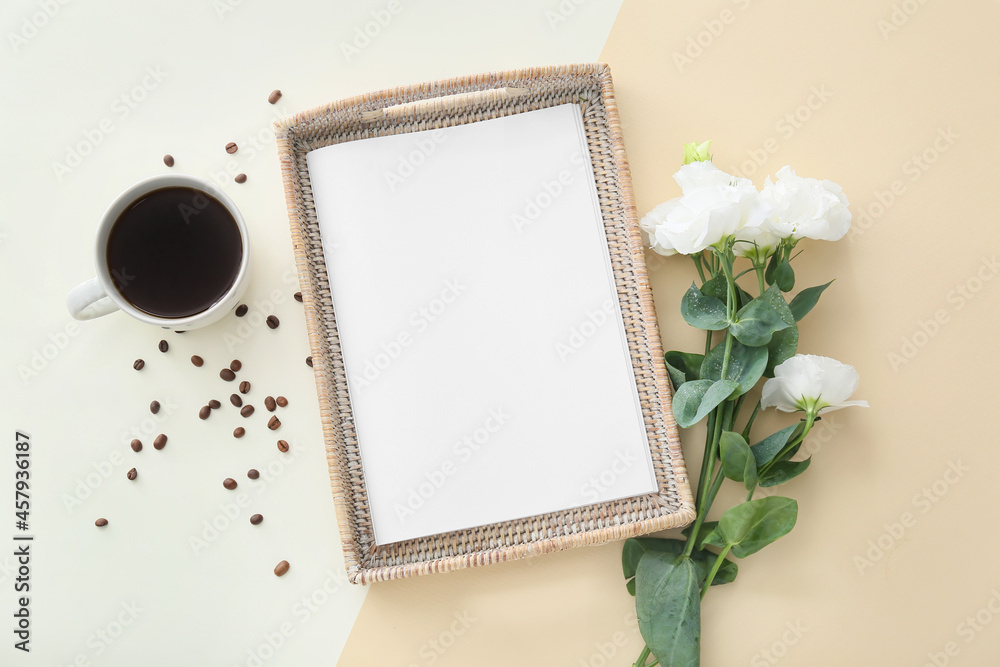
point(282, 446)
point(197, 361)
point(253, 473)
point(239, 432)
point(273, 423)
point(274, 96)
point(235, 365)
point(256, 519)
point(227, 375)
point(132, 474)
point(240, 178)
point(160, 441)
point(309, 362)
point(231, 147)
point(154, 407)
point(168, 160)
point(247, 410)
point(136, 445)
point(204, 412)
point(282, 402)
point(272, 321)
point(139, 363)
point(100, 523)
point(236, 400)
point(241, 310)
point(214, 404)
point(269, 403)
point(244, 387)
point(281, 568)
point(297, 296)
point(229, 483)
point(178, 331)
point(164, 346)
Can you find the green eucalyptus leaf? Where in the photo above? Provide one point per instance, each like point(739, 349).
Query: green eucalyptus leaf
point(782, 347)
point(746, 364)
point(779, 473)
point(687, 399)
point(635, 547)
point(683, 366)
point(768, 448)
point(758, 320)
point(694, 400)
point(784, 276)
point(805, 300)
point(706, 528)
point(668, 605)
point(703, 312)
point(772, 266)
point(738, 463)
point(714, 538)
point(749, 527)
point(716, 287)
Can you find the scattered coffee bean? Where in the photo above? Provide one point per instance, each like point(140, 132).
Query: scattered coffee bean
point(229, 483)
point(281, 401)
point(244, 387)
point(214, 404)
point(235, 365)
point(168, 160)
point(240, 178)
point(236, 400)
point(227, 375)
point(154, 407)
point(179, 331)
point(282, 446)
point(297, 296)
point(281, 568)
point(197, 361)
point(100, 523)
point(204, 412)
point(253, 473)
point(247, 410)
point(136, 445)
point(272, 321)
point(256, 519)
point(274, 96)
point(163, 346)
point(273, 423)
point(241, 310)
point(231, 147)
point(132, 474)
point(239, 432)
point(139, 363)
point(269, 403)
point(309, 362)
point(160, 441)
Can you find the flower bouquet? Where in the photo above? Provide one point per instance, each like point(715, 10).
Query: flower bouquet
point(730, 230)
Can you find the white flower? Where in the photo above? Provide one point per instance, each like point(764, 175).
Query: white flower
point(714, 206)
point(806, 207)
point(756, 243)
point(812, 384)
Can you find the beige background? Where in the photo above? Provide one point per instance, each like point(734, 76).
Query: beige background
point(892, 561)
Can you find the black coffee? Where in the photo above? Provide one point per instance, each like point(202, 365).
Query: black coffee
point(174, 252)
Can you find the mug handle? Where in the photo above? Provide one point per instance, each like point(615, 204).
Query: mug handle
point(89, 300)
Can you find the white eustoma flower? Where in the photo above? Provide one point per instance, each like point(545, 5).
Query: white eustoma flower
point(812, 384)
point(806, 207)
point(714, 206)
point(756, 243)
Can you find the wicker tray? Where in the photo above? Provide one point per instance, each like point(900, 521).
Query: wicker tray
point(442, 104)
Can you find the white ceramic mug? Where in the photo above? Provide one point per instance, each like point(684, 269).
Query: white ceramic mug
point(98, 296)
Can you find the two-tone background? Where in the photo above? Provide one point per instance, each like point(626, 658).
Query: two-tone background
point(892, 560)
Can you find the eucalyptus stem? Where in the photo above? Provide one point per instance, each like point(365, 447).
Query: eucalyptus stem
point(750, 421)
point(641, 662)
point(810, 418)
point(761, 283)
point(715, 569)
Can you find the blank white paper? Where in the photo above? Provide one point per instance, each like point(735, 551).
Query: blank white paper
point(487, 364)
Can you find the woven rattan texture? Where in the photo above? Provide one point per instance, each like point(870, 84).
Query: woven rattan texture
point(589, 86)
